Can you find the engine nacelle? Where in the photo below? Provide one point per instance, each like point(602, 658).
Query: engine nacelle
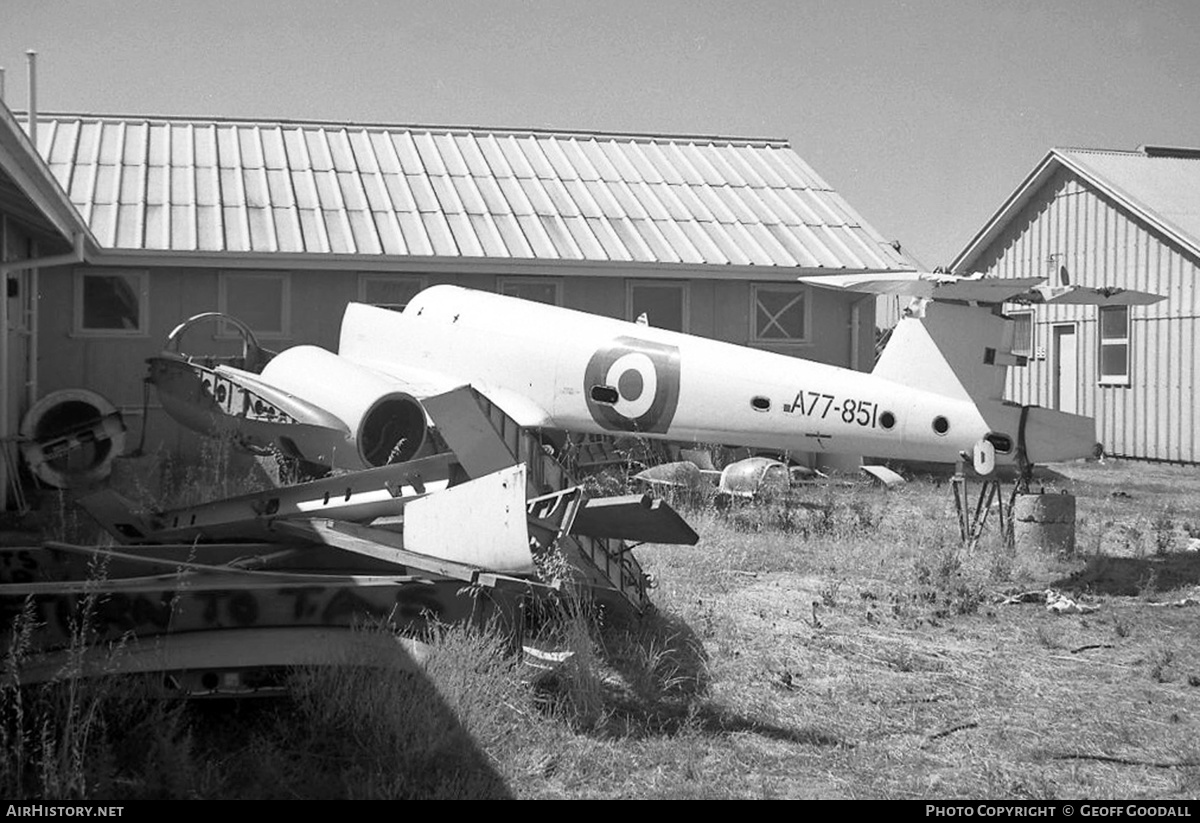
point(386, 425)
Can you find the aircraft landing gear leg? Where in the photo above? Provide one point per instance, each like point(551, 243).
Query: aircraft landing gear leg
point(971, 520)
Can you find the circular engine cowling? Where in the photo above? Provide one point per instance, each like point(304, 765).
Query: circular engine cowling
point(71, 437)
point(387, 425)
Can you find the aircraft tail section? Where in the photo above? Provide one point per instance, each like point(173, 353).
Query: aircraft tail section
point(955, 350)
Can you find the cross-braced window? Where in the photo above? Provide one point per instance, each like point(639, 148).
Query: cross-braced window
point(1114, 346)
point(781, 314)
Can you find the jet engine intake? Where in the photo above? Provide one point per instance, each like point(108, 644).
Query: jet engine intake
point(387, 424)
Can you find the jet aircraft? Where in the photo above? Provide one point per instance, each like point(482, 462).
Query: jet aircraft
point(935, 394)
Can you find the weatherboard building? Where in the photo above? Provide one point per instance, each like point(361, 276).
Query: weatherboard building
point(1096, 217)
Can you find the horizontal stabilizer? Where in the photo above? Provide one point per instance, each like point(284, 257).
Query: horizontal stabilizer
point(932, 286)
point(1089, 296)
point(980, 289)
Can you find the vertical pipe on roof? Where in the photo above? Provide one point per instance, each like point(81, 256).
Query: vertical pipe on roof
point(1, 84)
point(31, 57)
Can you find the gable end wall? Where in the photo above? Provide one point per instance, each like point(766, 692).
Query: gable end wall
point(1070, 224)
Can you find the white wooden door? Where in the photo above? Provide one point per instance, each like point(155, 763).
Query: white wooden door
point(1066, 369)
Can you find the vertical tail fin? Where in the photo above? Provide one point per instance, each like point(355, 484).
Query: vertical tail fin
point(955, 350)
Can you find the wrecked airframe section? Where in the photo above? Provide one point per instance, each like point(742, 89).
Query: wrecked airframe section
point(218, 596)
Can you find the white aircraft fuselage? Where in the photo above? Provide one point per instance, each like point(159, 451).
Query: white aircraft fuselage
point(563, 369)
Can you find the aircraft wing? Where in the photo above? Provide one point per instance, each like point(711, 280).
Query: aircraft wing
point(1088, 296)
point(980, 289)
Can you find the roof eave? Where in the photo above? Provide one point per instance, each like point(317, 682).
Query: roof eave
point(398, 264)
point(22, 162)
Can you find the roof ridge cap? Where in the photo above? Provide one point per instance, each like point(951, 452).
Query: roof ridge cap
point(633, 136)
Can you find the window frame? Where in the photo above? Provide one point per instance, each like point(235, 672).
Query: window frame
point(803, 290)
point(685, 291)
point(556, 282)
point(421, 281)
point(1103, 379)
point(226, 331)
point(1032, 316)
point(143, 292)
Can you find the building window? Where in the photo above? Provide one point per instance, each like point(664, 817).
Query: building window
point(663, 305)
point(111, 301)
point(389, 291)
point(1022, 333)
point(781, 314)
point(1114, 346)
point(261, 300)
point(537, 289)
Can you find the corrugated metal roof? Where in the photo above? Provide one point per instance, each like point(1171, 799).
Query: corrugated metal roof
point(237, 187)
point(1161, 185)
point(1157, 185)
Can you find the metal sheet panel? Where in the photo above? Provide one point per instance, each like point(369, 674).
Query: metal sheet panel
point(209, 230)
point(531, 149)
point(274, 154)
point(297, 150)
point(464, 234)
point(262, 229)
point(654, 240)
point(362, 229)
point(320, 157)
point(378, 198)
point(447, 196)
point(468, 195)
point(390, 236)
point(320, 188)
point(579, 160)
point(515, 242)
point(489, 237)
point(129, 226)
point(472, 154)
point(104, 190)
point(103, 222)
point(312, 230)
point(560, 237)
point(494, 201)
point(703, 243)
point(183, 227)
point(364, 152)
point(614, 249)
point(62, 147)
point(337, 231)
point(728, 246)
point(415, 236)
point(431, 159)
point(632, 240)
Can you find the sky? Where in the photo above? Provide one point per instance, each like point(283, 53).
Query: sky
point(924, 115)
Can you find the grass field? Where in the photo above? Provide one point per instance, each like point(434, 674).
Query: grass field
point(836, 644)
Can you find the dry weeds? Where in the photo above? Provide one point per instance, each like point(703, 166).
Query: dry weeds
point(836, 643)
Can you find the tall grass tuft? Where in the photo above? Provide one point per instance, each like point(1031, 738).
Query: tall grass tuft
point(437, 732)
point(79, 737)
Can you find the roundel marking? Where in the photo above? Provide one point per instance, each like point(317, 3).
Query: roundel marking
point(633, 375)
point(644, 376)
